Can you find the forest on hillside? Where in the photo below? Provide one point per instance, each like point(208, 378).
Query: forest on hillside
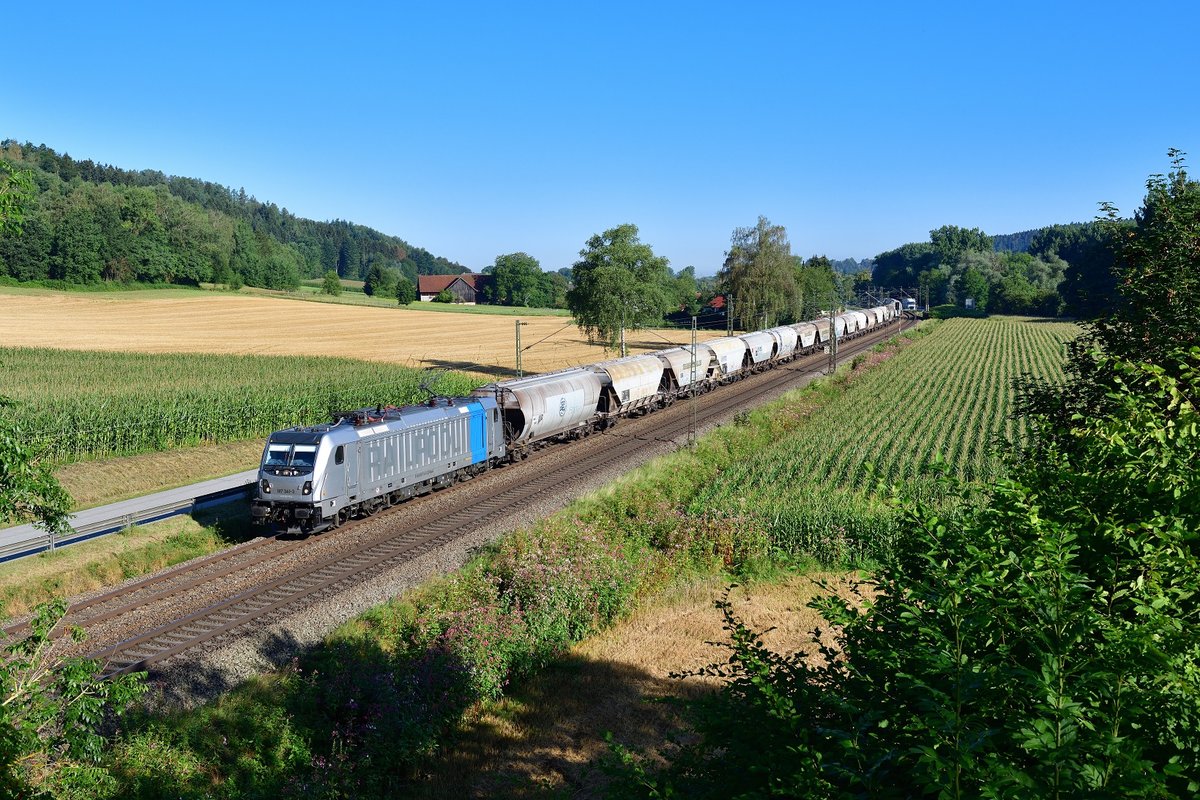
point(88, 223)
point(1058, 269)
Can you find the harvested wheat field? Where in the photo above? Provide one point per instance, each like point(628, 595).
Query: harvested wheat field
point(151, 322)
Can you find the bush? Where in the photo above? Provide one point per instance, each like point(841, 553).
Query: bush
point(52, 711)
point(331, 284)
point(405, 292)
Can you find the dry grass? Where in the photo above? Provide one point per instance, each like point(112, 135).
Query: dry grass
point(93, 483)
point(542, 739)
point(103, 562)
point(154, 322)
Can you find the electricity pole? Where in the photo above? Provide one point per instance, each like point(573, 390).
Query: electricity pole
point(622, 329)
point(695, 391)
point(519, 324)
point(832, 342)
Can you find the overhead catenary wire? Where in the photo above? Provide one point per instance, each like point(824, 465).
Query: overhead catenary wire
point(548, 336)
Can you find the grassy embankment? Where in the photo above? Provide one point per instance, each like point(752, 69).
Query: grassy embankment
point(363, 714)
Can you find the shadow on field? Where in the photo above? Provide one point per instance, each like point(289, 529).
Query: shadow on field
point(545, 738)
point(230, 521)
point(469, 366)
point(352, 718)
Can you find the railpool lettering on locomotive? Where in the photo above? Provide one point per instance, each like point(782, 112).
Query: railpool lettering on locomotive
point(317, 477)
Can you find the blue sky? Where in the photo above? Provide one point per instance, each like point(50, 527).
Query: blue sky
point(475, 129)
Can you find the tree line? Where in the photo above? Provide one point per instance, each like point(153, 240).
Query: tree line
point(86, 223)
point(1060, 269)
point(620, 283)
point(89, 223)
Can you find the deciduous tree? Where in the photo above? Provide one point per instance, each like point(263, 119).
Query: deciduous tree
point(51, 712)
point(16, 193)
point(619, 282)
point(516, 280)
point(1157, 269)
point(331, 285)
point(28, 488)
point(816, 287)
point(758, 273)
point(405, 291)
point(380, 281)
point(950, 242)
point(975, 287)
point(903, 266)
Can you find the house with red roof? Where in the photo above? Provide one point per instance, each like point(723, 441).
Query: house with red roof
point(466, 288)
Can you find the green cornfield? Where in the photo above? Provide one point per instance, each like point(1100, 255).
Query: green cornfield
point(78, 405)
point(818, 487)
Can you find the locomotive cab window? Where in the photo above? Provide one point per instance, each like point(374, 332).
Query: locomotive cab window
point(277, 455)
point(339, 455)
point(304, 456)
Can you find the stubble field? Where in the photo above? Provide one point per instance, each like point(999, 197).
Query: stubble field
point(195, 322)
point(103, 375)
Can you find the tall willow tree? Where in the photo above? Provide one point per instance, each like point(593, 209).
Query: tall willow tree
point(759, 274)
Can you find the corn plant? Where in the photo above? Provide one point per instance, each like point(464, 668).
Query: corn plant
point(945, 398)
point(76, 405)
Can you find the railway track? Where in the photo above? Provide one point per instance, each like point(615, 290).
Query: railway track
point(406, 532)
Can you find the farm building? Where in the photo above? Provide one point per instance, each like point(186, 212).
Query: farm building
point(467, 288)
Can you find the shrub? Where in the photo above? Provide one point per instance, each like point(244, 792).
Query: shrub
point(331, 284)
point(406, 293)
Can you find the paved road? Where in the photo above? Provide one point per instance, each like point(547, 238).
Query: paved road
point(26, 540)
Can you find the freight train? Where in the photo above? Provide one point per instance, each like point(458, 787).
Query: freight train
point(316, 477)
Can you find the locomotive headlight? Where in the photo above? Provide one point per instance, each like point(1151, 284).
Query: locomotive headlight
point(307, 487)
point(266, 486)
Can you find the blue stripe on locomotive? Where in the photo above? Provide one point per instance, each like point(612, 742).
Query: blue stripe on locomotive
point(479, 433)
